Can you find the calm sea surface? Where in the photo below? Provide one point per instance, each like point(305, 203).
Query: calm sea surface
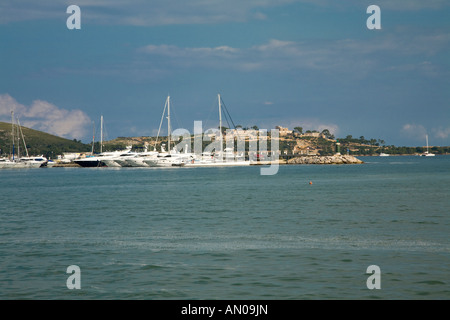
point(228, 233)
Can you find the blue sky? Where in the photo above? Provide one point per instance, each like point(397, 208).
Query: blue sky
point(292, 63)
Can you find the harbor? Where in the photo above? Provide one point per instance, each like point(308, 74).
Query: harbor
point(228, 147)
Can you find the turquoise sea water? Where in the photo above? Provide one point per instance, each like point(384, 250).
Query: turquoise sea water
point(228, 233)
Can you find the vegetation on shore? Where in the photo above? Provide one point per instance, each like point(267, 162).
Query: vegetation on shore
point(367, 147)
point(300, 144)
point(39, 143)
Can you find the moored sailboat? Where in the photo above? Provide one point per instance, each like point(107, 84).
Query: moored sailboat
point(427, 153)
point(17, 162)
point(220, 157)
point(171, 157)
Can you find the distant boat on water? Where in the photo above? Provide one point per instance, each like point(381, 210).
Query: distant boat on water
point(427, 153)
point(382, 154)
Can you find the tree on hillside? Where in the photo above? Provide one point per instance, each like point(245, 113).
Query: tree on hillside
point(327, 134)
point(299, 130)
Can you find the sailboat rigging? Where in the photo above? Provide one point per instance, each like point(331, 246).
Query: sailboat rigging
point(223, 157)
point(17, 161)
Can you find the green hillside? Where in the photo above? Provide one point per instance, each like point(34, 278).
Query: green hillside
point(39, 143)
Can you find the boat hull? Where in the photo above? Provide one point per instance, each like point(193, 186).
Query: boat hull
point(110, 163)
point(19, 165)
point(90, 163)
point(217, 163)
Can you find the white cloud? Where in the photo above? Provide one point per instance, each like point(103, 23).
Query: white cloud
point(8, 104)
point(163, 12)
point(410, 5)
point(356, 58)
point(168, 57)
point(414, 131)
point(46, 117)
point(199, 53)
point(140, 12)
point(441, 132)
point(275, 44)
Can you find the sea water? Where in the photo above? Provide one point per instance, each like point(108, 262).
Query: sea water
point(228, 233)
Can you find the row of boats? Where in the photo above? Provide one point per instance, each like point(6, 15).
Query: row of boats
point(127, 158)
point(170, 158)
point(16, 160)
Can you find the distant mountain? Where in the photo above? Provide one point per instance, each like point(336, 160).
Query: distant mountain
point(39, 143)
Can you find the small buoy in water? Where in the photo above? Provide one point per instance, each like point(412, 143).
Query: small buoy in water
point(310, 182)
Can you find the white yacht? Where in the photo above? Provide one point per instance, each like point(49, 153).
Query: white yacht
point(34, 162)
point(427, 153)
point(139, 159)
point(90, 161)
point(167, 159)
point(221, 157)
point(228, 158)
point(104, 159)
point(171, 158)
point(4, 162)
point(121, 160)
point(50, 163)
point(20, 162)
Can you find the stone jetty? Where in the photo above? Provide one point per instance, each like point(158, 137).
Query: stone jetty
point(336, 159)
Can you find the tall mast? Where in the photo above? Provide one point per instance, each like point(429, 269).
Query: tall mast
point(220, 125)
point(18, 142)
point(101, 133)
point(427, 142)
point(12, 134)
point(160, 124)
point(93, 137)
point(23, 138)
point(169, 129)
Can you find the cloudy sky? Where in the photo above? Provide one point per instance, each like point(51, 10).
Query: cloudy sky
point(292, 63)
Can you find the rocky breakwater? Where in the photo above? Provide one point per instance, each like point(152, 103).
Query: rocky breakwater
point(336, 159)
